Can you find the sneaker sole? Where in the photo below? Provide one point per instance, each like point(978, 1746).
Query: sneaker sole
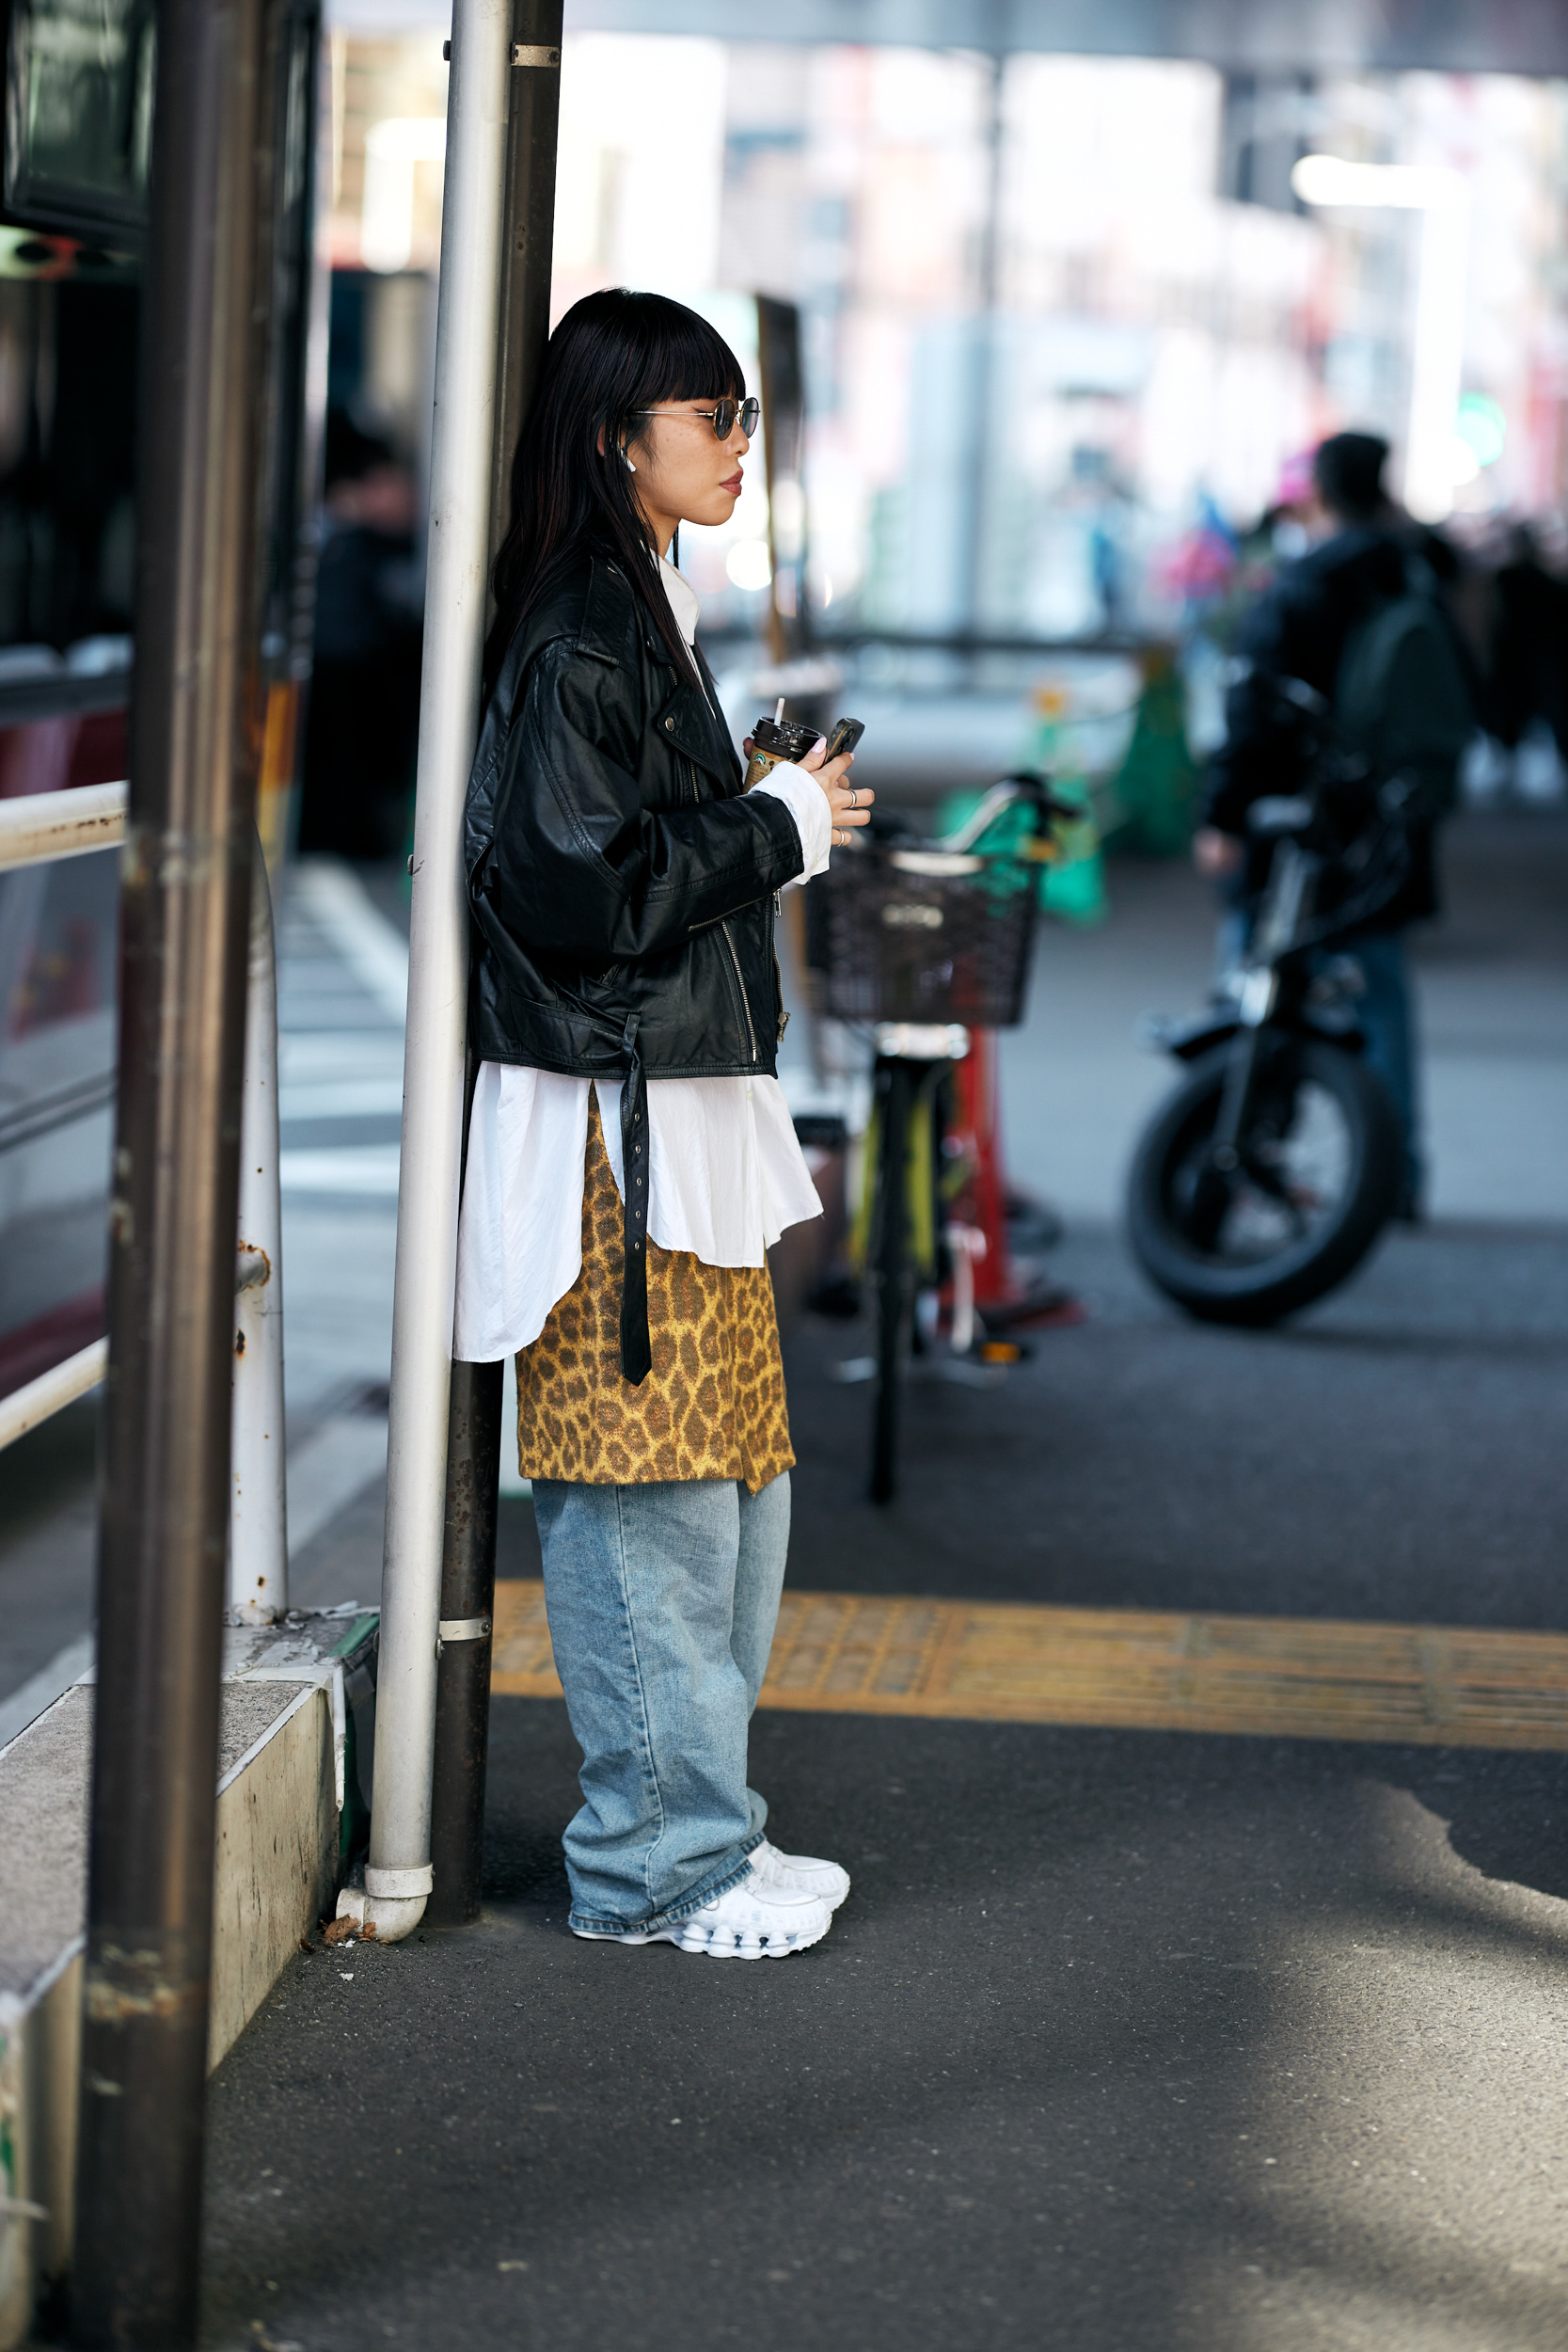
point(686, 1939)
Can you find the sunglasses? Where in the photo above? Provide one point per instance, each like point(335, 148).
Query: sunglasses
point(722, 419)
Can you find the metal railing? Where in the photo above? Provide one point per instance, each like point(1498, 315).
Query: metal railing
point(41, 828)
point(44, 825)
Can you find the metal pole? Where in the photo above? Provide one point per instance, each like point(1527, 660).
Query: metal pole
point(529, 234)
point(186, 909)
point(258, 1510)
point(475, 1434)
point(474, 1439)
point(398, 1874)
point(982, 391)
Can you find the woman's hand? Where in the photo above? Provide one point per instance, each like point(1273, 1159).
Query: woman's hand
point(848, 803)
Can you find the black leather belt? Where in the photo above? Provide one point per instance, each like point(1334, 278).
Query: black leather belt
point(636, 1347)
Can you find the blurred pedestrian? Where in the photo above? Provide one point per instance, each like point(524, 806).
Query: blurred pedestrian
point(1528, 676)
point(1360, 617)
point(361, 734)
point(630, 1155)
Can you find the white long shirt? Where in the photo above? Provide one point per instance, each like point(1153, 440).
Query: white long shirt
point(726, 1173)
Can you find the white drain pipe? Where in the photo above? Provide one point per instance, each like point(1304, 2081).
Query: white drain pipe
point(398, 1873)
point(258, 1505)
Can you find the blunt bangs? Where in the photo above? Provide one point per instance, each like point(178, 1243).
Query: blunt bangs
point(673, 352)
point(685, 358)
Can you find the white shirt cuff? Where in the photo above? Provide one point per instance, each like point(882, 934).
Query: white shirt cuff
point(808, 804)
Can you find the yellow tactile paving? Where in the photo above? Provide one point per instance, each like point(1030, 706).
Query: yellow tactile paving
point(1129, 1669)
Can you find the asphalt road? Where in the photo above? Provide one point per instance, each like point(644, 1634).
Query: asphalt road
point(1396, 1452)
point(1121, 2041)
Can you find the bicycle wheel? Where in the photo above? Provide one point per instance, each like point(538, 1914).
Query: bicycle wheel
point(891, 1271)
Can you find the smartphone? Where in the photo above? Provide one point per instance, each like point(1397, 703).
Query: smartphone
point(845, 733)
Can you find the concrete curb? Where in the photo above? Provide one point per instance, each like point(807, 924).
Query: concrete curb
point(294, 1773)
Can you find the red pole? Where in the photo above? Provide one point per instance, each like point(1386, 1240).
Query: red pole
point(978, 1105)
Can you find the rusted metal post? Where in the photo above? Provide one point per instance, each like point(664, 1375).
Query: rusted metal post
point(187, 919)
point(475, 1434)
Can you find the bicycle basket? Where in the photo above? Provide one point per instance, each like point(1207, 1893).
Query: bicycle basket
point(910, 934)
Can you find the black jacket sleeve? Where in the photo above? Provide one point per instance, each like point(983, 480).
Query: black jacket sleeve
point(579, 865)
point(1255, 759)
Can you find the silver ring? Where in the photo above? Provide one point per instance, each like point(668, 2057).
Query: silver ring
point(854, 798)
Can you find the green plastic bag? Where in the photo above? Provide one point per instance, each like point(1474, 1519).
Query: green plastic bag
point(1074, 889)
point(1156, 787)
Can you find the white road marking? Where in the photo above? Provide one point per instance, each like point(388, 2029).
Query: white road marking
point(369, 1170)
point(342, 1098)
point(338, 1462)
point(374, 950)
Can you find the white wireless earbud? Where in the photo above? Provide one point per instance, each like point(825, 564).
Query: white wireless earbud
point(630, 468)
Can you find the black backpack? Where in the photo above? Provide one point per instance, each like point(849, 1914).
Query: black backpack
point(1400, 696)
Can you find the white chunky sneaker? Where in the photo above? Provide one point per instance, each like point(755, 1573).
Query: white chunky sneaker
point(801, 1873)
point(751, 1920)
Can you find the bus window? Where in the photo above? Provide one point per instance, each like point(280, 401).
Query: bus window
point(79, 81)
point(77, 120)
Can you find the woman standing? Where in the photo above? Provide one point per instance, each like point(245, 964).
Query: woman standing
point(631, 1155)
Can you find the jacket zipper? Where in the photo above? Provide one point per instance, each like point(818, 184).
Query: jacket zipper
point(778, 997)
point(741, 986)
point(688, 775)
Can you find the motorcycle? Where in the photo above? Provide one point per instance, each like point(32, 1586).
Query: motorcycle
point(1264, 1179)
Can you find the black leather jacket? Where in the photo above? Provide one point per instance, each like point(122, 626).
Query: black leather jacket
point(621, 883)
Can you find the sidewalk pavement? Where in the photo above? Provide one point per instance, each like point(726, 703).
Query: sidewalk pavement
point(1119, 2043)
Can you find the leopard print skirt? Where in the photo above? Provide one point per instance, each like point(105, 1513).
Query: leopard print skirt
point(713, 1405)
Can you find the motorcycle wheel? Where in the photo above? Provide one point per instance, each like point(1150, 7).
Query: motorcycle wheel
point(1285, 1227)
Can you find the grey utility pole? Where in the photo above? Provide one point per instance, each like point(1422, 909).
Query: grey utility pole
point(474, 1433)
point(187, 919)
point(493, 88)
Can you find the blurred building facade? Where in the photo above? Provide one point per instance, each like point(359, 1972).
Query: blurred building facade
point(1059, 311)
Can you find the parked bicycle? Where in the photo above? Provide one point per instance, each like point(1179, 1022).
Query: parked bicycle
point(1266, 1177)
point(925, 941)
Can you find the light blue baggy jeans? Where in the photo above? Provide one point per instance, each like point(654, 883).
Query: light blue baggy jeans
point(662, 1599)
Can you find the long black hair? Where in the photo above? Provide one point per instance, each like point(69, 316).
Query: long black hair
point(613, 355)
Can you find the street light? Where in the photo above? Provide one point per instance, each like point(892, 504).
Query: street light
point(1438, 354)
